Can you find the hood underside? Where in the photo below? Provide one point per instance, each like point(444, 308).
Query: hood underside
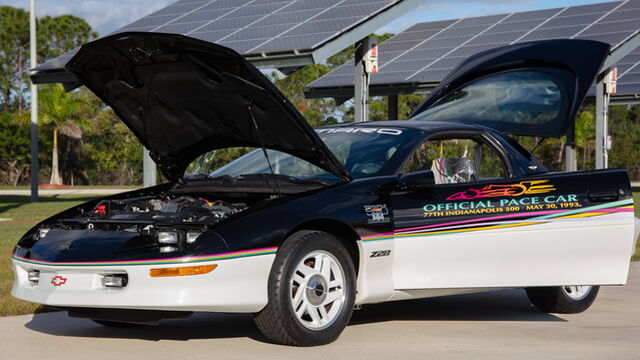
point(183, 97)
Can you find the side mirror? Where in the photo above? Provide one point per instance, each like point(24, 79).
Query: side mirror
point(416, 180)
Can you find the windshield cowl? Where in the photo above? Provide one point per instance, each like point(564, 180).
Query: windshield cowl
point(253, 183)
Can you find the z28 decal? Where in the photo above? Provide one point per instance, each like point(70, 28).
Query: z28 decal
point(380, 253)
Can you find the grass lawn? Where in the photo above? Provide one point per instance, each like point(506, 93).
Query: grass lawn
point(24, 215)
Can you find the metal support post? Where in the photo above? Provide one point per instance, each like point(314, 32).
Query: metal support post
point(148, 169)
point(361, 96)
point(393, 107)
point(602, 114)
point(571, 163)
point(34, 105)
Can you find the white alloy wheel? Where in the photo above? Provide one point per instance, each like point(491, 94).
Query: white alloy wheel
point(576, 292)
point(317, 290)
point(312, 290)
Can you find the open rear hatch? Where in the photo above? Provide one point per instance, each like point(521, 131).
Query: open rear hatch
point(183, 97)
point(534, 88)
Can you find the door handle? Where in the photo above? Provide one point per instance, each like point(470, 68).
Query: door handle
point(603, 195)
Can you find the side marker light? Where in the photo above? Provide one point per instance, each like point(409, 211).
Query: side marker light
point(182, 271)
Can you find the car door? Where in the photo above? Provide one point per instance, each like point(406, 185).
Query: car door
point(484, 223)
point(445, 234)
point(476, 232)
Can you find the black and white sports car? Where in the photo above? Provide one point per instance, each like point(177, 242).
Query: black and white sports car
point(312, 222)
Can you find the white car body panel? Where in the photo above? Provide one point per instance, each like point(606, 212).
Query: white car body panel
point(236, 285)
point(415, 267)
point(375, 275)
point(581, 251)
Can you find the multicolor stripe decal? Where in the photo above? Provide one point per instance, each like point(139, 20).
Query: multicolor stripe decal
point(503, 221)
point(488, 223)
point(183, 260)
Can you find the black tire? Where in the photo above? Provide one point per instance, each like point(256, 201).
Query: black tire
point(115, 324)
point(555, 299)
point(277, 321)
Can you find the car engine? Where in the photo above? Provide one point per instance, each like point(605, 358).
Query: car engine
point(146, 213)
point(168, 209)
point(167, 222)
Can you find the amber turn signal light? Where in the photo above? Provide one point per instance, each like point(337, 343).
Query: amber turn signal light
point(182, 271)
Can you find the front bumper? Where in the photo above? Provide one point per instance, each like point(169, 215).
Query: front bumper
point(236, 285)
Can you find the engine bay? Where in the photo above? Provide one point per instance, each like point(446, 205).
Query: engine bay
point(167, 209)
point(166, 221)
point(136, 214)
point(165, 218)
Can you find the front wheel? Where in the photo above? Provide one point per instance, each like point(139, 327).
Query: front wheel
point(311, 291)
point(563, 299)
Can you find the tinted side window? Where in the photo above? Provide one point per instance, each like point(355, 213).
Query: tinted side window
point(423, 157)
point(527, 98)
point(491, 164)
point(457, 161)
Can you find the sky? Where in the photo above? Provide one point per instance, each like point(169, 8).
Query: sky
point(108, 15)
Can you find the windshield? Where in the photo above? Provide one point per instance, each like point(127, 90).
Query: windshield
point(363, 151)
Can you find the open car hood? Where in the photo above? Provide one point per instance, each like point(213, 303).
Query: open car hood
point(542, 85)
point(183, 97)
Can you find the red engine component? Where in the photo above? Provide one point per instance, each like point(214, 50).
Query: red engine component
point(101, 210)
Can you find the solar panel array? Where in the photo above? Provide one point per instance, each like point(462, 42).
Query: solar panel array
point(254, 26)
point(629, 74)
point(258, 26)
point(426, 52)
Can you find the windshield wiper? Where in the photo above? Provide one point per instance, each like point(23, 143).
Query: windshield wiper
point(286, 178)
point(222, 178)
point(229, 180)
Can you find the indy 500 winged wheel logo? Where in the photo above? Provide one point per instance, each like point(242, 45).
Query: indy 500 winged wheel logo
point(521, 188)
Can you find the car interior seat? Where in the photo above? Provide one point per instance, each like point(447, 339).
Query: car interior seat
point(453, 170)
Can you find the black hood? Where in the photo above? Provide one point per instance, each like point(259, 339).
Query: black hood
point(183, 97)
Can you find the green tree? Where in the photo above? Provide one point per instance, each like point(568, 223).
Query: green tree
point(585, 132)
point(317, 112)
point(111, 154)
point(56, 36)
point(60, 34)
point(59, 109)
point(14, 150)
point(14, 53)
point(624, 128)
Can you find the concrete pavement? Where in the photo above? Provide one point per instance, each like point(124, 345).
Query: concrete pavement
point(497, 325)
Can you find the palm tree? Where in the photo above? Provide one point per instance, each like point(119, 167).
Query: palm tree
point(60, 109)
